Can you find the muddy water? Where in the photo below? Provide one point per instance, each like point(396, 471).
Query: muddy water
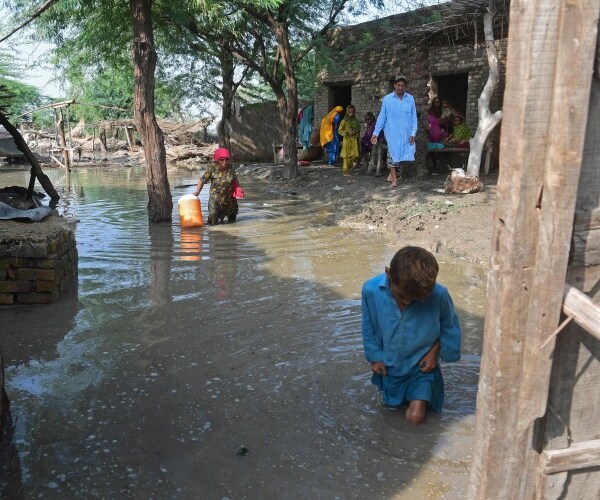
point(219, 362)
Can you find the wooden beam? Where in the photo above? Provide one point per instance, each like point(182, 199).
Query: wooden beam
point(550, 58)
point(54, 105)
point(584, 310)
point(576, 456)
point(57, 161)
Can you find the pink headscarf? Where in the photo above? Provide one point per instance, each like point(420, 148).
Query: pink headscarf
point(221, 153)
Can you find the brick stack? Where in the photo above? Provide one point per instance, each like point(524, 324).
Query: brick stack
point(35, 266)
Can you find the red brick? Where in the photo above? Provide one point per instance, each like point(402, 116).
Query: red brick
point(45, 286)
point(6, 262)
point(48, 263)
point(15, 286)
point(36, 298)
point(7, 298)
point(36, 274)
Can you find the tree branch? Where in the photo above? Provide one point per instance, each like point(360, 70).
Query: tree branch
point(37, 13)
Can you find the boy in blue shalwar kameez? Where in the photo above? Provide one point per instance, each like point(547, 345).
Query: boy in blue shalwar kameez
point(408, 323)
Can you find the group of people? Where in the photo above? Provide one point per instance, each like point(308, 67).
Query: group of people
point(395, 129)
point(408, 319)
point(336, 131)
point(395, 126)
point(446, 125)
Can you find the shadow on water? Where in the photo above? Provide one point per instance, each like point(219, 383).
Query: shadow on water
point(221, 362)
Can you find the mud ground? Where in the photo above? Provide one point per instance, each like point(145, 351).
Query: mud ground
point(417, 210)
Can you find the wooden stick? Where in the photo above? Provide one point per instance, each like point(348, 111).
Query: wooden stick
point(577, 456)
point(35, 166)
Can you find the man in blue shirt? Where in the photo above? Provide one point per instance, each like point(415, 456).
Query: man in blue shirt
point(398, 119)
point(408, 322)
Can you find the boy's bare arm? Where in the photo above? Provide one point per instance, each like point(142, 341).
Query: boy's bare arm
point(430, 360)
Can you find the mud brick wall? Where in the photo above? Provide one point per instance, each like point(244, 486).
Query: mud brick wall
point(371, 72)
point(35, 268)
point(373, 79)
point(254, 129)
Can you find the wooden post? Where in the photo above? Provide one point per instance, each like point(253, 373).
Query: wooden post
point(129, 137)
point(36, 169)
point(60, 125)
point(574, 400)
point(549, 72)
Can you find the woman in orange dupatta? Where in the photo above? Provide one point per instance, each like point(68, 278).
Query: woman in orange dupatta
point(330, 138)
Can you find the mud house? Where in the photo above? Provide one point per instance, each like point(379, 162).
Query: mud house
point(440, 50)
point(256, 130)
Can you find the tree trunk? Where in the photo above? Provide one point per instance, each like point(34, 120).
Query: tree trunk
point(160, 203)
point(289, 115)
point(487, 120)
point(227, 93)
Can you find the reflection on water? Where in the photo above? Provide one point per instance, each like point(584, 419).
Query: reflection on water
point(181, 346)
point(191, 244)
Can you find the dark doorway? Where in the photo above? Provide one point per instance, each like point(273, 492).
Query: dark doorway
point(454, 88)
point(339, 95)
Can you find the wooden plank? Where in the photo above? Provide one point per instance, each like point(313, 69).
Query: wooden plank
point(573, 412)
point(585, 312)
point(574, 399)
point(56, 160)
point(576, 456)
point(551, 50)
point(587, 220)
point(585, 242)
point(584, 278)
point(586, 248)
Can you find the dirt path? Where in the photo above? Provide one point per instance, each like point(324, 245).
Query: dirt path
point(416, 212)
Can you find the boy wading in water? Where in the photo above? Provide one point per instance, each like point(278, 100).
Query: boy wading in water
point(408, 323)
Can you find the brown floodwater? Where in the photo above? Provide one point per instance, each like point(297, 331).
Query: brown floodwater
point(219, 362)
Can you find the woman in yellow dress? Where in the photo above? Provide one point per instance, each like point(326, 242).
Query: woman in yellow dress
point(350, 131)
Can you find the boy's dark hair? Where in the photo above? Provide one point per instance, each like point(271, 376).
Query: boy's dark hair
point(370, 114)
point(401, 78)
point(414, 270)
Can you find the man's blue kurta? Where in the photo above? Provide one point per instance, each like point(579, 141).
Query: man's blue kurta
point(398, 119)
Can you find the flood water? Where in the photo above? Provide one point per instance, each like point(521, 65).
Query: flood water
point(219, 362)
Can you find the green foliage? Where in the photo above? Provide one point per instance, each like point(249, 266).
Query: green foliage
point(16, 97)
point(93, 39)
point(19, 97)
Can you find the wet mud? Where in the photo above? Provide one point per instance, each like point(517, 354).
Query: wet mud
point(220, 362)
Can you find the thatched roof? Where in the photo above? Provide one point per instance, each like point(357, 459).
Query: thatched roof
point(447, 22)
